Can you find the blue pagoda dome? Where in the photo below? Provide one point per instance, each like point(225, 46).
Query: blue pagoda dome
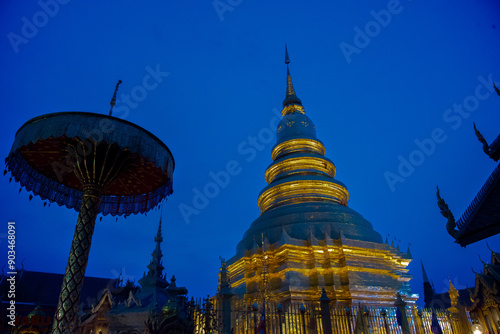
point(303, 221)
point(295, 125)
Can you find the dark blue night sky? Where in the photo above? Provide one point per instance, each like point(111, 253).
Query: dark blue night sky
point(392, 86)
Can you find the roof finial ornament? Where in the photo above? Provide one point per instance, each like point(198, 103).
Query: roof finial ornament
point(484, 263)
point(487, 245)
point(291, 103)
point(446, 212)
point(486, 148)
point(159, 237)
point(222, 262)
point(113, 99)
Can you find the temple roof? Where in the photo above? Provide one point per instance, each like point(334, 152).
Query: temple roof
point(424, 274)
point(154, 291)
point(495, 149)
point(487, 285)
point(39, 288)
point(482, 218)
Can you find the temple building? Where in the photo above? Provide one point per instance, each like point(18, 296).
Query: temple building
point(481, 302)
point(36, 298)
point(306, 237)
point(107, 306)
point(457, 300)
point(482, 218)
point(157, 305)
point(485, 296)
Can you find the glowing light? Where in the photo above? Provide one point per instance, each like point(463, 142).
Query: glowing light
point(292, 108)
point(477, 329)
point(300, 165)
point(298, 145)
point(365, 267)
point(302, 191)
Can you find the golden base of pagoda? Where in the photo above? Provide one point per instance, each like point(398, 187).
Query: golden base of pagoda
point(367, 273)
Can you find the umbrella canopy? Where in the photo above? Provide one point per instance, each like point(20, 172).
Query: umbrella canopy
point(47, 150)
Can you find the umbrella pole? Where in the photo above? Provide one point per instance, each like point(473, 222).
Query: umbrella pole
point(67, 306)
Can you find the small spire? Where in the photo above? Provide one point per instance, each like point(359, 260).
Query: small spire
point(424, 274)
point(113, 99)
point(159, 238)
point(172, 282)
point(291, 103)
point(285, 238)
point(255, 247)
point(451, 286)
point(328, 239)
point(324, 297)
point(312, 239)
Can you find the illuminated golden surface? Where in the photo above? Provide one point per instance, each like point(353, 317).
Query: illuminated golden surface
point(298, 145)
point(304, 198)
point(292, 108)
point(350, 274)
point(301, 191)
point(291, 166)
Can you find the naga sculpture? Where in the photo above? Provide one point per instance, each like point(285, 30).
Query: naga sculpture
point(446, 212)
point(486, 147)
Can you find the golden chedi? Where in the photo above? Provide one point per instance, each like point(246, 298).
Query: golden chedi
point(306, 237)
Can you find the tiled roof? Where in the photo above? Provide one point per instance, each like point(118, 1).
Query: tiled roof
point(482, 217)
point(43, 288)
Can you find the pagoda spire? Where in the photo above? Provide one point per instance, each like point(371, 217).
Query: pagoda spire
point(158, 240)
point(156, 266)
point(291, 103)
point(154, 277)
point(429, 291)
point(424, 274)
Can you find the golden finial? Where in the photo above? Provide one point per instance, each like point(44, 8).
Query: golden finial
point(113, 99)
